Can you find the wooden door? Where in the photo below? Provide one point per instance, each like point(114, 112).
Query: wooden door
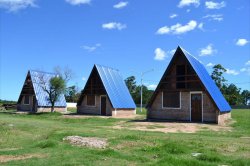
point(103, 105)
point(196, 107)
point(34, 104)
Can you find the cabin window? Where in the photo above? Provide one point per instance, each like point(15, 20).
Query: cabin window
point(180, 76)
point(26, 100)
point(171, 99)
point(91, 100)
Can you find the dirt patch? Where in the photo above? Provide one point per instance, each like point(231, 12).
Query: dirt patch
point(170, 127)
point(75, 116)
point(7, 158)
point(92, 142)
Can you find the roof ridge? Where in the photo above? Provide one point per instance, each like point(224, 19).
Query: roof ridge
point(106, 67)
point(39, 71)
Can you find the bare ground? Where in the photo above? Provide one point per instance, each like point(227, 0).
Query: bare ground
point(7, 158)
point(170, 127)
point(92, 142)
point(99, 116)
point(138, 123)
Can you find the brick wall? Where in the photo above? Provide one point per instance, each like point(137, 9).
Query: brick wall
point(48, 109)
point(95, 110)
point(157, 112)
point(123, 113)
point(223, 118)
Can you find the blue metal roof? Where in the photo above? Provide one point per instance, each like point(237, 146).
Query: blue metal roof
point(116, 88)
point(41, 96)
point(207, 81)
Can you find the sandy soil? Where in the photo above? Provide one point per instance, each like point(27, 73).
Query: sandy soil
point(92, 116)
point(169, 127)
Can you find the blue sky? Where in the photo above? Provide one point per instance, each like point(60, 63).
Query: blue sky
point(132, 36)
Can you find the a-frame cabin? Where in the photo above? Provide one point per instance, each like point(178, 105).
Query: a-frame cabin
point(105, 93)
point(33, 98)
point(186, 92)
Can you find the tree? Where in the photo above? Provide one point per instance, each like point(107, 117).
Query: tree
point(217, 76)
point(245, 94)
point(232, 94)
point(146, 94)
point(72, 94)
point(56, 86)
point(131, 84)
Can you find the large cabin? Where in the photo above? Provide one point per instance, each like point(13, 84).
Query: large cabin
point(105, 93)
point(186, 92)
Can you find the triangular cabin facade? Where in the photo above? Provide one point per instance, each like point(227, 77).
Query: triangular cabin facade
point(186, 92)
point(105, 93)
point(33, 98)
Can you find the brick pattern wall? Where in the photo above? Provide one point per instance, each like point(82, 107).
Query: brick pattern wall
point(223, 118)
point(94, 110)
point(23, 107)
point(48, 109)
point(210, 111)
point(123, 113)
point(157, 112)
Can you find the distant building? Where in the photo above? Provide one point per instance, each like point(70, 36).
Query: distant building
point(33, 98)
point(186, 92)
point(105, 93)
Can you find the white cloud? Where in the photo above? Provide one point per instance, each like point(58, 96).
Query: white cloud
point(160, 54)
point(114, 25)
point(242, 42)
point(200, 26)
point(247, 63)
point(163, 30)
point(84, 78)
point(177, 28)
point(173, 15)
point(245, 70)
point(215, 17)
point(171, 52)
point(15, 5)
point(232, 72)
point(210, 64)
point(91, 48)
point(215, 5)
point(78, 2)
point(152, 86)
point(207, 50)
point(183, 3)
point(188, 10)
point(120, 5)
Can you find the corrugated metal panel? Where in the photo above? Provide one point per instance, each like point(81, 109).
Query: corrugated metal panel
point(115, 87)
point(207, 81)
point(41, 96)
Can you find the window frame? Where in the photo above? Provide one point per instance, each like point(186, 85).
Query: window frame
point(24, 100)
point(171, 107)
point(87, 101)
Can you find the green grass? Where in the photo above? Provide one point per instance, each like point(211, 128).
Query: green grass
point(138, 111)
point(43, 134)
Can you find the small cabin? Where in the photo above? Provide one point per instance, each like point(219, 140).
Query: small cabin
point(34, 99)
point(186, 92)
point(105, 93)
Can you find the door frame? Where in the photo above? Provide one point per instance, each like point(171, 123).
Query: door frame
point(190, 104)
point(101, 104)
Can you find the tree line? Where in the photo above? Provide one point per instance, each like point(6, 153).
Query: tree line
point(231, 92)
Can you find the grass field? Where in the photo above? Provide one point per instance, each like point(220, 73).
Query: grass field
point(37, 139)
